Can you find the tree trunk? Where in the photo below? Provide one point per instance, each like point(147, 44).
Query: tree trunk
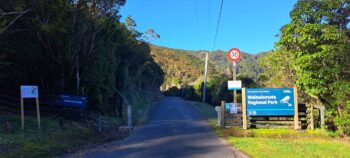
point(77, 75)
point(341, 127)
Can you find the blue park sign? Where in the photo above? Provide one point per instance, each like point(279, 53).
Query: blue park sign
point(270, 101)
point(73, 101)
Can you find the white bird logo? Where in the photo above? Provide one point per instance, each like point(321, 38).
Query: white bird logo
point(285, 100)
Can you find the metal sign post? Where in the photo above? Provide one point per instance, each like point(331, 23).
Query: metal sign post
point(234, 65)
point(234, 54)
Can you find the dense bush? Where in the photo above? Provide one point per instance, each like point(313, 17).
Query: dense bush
point(76, 47)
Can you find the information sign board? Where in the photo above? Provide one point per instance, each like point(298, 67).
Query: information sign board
point(270, 101)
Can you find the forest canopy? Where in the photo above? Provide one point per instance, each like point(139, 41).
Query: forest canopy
point(75, 47)
point(313, 53)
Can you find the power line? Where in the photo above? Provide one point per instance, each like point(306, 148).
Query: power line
point(209, 24)
point(197, 20)
point(218, 25)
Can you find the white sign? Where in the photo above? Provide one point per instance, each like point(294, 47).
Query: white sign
point(29, 91)
point(233, 109)
point(234, 85)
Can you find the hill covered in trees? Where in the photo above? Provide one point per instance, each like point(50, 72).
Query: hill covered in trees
point(247, 67)
point(184, 67)
point(184, 72)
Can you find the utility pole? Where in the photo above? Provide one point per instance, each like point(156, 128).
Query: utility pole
point(205, 76)
point(234, 76)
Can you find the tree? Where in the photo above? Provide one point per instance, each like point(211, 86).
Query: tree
point(77, 47)
point(315, 48)
point(278, 70)
point(150, 35)
point(4, 26)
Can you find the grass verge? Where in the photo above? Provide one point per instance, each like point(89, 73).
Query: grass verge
point(271, 143)
point(51, 140)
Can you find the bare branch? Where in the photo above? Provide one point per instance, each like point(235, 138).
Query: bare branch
point(14, 20)
point(10, 13)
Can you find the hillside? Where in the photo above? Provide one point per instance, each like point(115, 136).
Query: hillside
point(184, 67)
point(179, 67)
point(248, 66)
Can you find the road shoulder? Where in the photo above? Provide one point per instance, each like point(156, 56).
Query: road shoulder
point(208, 113)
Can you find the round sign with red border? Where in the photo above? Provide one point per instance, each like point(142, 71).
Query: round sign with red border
point(234, 54)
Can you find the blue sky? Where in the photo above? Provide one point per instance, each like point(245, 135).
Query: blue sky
point(249, 25)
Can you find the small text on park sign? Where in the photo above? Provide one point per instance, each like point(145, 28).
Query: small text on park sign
point(73, 101)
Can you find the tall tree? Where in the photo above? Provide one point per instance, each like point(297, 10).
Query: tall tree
point(315, 46)
point(77, 47)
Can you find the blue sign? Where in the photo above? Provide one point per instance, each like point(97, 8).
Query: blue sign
point(232, 107)
point(227, 106)
point(270, 101)
point(73, 101)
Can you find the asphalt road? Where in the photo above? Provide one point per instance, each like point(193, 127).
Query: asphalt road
point(175, 130)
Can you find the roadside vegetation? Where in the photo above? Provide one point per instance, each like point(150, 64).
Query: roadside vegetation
point(273, 143)
point(312, 54)
point(72, 47)
point(54, 139)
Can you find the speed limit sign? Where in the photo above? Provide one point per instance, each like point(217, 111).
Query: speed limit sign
point(234, 54)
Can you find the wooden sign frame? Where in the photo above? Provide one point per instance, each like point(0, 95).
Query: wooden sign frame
point(296, 110)
point(37, 108)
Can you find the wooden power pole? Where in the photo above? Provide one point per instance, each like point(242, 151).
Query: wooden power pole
point(205, 76)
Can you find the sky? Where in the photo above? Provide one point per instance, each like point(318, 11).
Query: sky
point(249, 25)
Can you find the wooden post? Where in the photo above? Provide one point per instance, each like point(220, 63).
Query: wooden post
point(312, 117)
point(296, 109)
point(222, 114)
point(205, 77)
point(99, 129)
point(244, 108)
point(129, 117)
point(322, 109)
point(22, 114)
point(8, 127)
point(322, 117)
point(38, 112)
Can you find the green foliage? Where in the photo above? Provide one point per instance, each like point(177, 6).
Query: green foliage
point(277, 142)
point(277, 69)
point(185, 71)
point(313, 54)
point(180, 68)
point(268, 147)
point(51, 140)
point(76, 47)
point(246, 67)
point(176, 81)
point(172, 91)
